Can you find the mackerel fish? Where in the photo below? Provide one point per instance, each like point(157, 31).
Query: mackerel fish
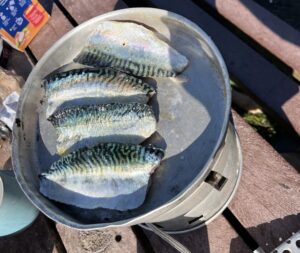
point(104, 85)
point(131, 48)
point(109, 175)
point(88, 125)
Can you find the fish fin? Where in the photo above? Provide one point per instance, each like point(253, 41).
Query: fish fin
point(180, 79)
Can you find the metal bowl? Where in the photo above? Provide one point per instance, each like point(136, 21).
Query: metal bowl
point(1, 191)
point(193, 119)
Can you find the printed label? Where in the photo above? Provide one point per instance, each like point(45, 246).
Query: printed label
point(20, 20)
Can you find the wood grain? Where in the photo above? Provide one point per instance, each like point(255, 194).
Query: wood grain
point(278, 93)
point(56, 27)
point(217, 237)
point(85, 10)
point(119, 240)
point(265, 28)
point(267, 202)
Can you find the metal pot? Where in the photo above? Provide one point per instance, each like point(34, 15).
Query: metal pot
point(193, 121)
point(1, 191)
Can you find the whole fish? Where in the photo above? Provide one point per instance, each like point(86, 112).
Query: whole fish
point(90, 124)
point(131, 48)
point(109, 175)
point(105, 85)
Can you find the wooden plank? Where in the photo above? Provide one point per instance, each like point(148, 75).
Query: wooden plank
point(35, 239)
point(274, 90)
point(58, 24)
point(271, 32)
point(85, 10)
point(55, 28)
point(116, 240)
point(217, 237)
point(267, 202)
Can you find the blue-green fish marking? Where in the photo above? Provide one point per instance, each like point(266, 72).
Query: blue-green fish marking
point(90, 124)
point(109, 175)
point(104, 85)
point(131, 48)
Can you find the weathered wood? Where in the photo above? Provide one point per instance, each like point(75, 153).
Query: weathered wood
point(35, 239)
point(276, 91)
point(265, 28)
point(85, 10)
point(267, 202)
point(55, 28)
point(116, 240)
point(217, 237)
point(58, 24)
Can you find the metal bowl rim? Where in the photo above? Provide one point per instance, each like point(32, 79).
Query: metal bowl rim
point(237, 182)
point(15, 151)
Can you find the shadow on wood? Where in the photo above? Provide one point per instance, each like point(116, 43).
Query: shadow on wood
point(292, 222)
point(196, 241)
point(272, 88)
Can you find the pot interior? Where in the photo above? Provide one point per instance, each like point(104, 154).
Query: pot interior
point(192, 112)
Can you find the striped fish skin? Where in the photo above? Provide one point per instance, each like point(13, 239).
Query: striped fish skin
point(88, 125)
point(109, 175)
point(105, 84)
point(131, 48)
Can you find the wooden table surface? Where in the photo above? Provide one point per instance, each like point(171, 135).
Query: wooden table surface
point(265, 209)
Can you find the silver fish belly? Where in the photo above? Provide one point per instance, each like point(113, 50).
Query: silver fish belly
point(105, 85)
point(88, 125)
point(131, 48)
point(109, 175)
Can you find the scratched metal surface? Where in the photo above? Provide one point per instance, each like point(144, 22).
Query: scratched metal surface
point(1, 191)
point(192, 120)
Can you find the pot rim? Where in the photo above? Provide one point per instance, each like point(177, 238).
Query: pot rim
point(189, 188)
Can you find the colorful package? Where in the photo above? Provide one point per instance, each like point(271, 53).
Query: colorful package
point(20, 21)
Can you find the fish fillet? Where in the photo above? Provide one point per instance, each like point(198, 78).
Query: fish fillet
point(88, 125)
point(109, 175)
point(105, 85)
point(131, 48)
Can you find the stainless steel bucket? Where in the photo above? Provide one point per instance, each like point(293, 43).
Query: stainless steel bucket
point(193, 112)
point(212, 196)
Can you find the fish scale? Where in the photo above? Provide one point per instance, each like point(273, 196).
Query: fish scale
point(87, 179)
point(105, 84)
point(87, 125)
point(131, 48)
